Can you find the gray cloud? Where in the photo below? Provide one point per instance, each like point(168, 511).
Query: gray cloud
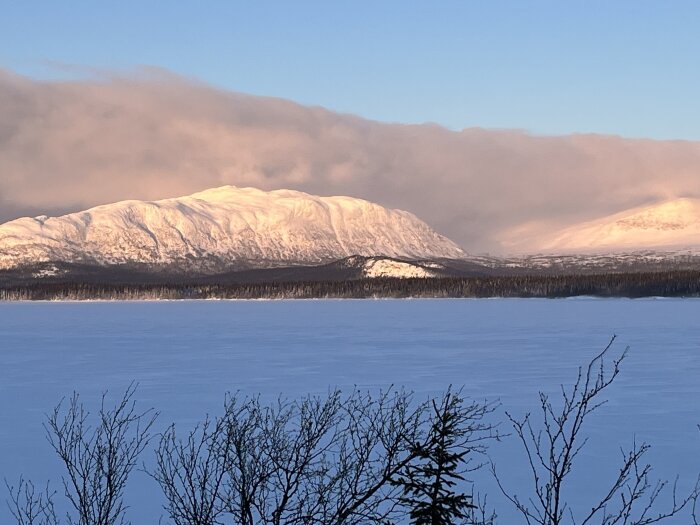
point(151, 134)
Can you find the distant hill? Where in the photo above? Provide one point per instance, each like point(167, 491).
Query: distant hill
point(665, 226)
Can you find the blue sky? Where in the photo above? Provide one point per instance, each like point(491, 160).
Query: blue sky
point(609, 66)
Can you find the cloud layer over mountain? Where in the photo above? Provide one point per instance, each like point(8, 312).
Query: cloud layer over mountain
point(65, 146)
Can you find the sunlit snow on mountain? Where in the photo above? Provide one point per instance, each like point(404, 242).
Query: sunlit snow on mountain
point(222, 227)
point(673, 224)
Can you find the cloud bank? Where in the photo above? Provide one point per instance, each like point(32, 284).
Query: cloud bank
point(69, 145)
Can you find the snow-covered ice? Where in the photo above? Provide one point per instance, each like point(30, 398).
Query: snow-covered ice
point(186, 355)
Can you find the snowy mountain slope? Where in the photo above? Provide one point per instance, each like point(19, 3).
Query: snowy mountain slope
point(670, 225)
point(220, 228)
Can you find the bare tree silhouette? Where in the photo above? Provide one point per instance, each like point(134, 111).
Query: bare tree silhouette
point(632, 496)
point(98, 458)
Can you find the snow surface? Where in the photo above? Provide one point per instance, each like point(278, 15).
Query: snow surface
point(212, 229)
point(186, 355)
point(670, 224)
point(398, 269)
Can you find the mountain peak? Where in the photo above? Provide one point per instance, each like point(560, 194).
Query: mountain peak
point(229, 192)
point(223, 227)
point(218, 192)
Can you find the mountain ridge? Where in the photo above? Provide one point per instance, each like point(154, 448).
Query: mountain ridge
point(220, 228)
point(670, 225)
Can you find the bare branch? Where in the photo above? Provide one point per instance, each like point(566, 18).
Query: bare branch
point(631, 497)
point(29, 506)
point(98, 459)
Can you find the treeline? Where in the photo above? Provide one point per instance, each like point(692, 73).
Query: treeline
point(662, 284)
point(338, 459)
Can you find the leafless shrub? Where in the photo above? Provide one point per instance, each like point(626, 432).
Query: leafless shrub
point(630, 499)
point(375, 443)
point(98, 459)
point(191, 472)
point(278, 450)
point(327, 460)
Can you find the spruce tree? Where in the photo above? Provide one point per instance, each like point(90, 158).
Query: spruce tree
point(429, 484)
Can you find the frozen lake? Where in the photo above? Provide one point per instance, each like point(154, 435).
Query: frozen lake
point(186, 355)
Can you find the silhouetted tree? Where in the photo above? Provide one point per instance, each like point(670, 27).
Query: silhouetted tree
point(630, 498)
point(433, 484)
point(428, 484)
point(191, 472)
point(98, 457)
point(321, 459)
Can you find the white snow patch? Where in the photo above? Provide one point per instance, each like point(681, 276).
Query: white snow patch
point(391, 268)
point(50, 271)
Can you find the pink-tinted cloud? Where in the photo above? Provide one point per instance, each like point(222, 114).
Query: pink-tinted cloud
point(70, 145)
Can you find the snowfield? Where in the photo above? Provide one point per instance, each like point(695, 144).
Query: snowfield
point(186, 355)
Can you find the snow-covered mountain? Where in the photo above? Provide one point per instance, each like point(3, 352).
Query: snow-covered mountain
point(223, 228)
point(669, 226)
